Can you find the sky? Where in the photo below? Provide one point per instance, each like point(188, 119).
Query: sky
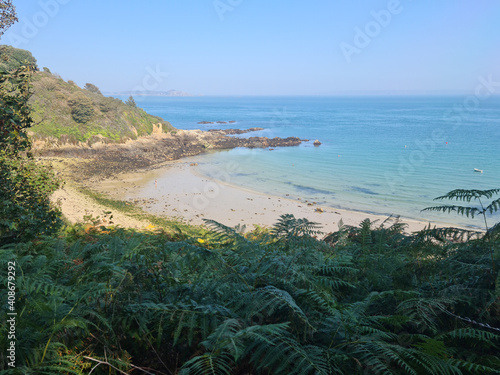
point(265, 47)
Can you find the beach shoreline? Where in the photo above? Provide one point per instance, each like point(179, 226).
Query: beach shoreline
point(178, 190)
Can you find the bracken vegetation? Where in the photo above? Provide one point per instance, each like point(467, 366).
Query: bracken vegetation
point(366, 300)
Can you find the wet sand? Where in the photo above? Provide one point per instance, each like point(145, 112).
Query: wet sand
point(178, 190)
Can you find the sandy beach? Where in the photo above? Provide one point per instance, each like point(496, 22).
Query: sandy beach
point(75, 206)
point(178, 190)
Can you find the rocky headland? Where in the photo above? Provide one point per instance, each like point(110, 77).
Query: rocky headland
point(110, 158)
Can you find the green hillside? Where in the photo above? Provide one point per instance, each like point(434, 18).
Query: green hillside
point(64, 110)
point(69, 113)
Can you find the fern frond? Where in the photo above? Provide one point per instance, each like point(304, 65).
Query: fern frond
point(424, 311)
point(288, 225)
point(269, 299)
point(477, 335)
point(460, 210)
point(208, 363)
point(224, 332)
point(475, 368)
point(366, 233)
point(287, 356)
point(494, 231)
point(468, 195)
point(225, 233)
point(493, 206)
point(448, 234)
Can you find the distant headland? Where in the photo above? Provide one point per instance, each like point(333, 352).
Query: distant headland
point(151, 93)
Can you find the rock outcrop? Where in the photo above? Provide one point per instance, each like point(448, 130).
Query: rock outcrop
point(235, 131)
point(161, 147)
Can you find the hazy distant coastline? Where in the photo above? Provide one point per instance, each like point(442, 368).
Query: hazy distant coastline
point(151, 93)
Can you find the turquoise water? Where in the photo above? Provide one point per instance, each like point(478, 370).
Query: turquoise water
point(386, 155)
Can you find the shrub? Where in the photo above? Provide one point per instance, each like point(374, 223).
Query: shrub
point(92, 88)
point(107, 105)
point(130, 101)
point(81, 109)
point(25, 186)
point(13, 58)
point(25, 210)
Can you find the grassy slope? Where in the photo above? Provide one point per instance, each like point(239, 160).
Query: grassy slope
point(110, 117)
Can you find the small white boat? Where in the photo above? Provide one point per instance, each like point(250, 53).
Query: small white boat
point(478, 170)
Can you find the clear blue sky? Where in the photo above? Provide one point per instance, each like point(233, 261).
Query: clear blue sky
point(264, 47)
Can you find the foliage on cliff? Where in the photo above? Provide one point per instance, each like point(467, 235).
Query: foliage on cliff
point(13, 58)
point(66, 112)
point(63, 110)
point(25, 186)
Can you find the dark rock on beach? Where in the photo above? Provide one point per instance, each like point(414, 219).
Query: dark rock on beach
point(235, 131)
point(155, 149)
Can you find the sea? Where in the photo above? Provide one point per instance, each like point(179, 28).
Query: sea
point(389, 155)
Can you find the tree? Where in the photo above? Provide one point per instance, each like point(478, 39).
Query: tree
point(92, 88)
point(131, 102)
point(14, 111)
point(7, 15)
point(81, 109)
point(25, 186)
point(13, 58)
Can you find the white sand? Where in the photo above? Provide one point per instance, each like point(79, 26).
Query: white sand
point(75, 206)
point(179, 191)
